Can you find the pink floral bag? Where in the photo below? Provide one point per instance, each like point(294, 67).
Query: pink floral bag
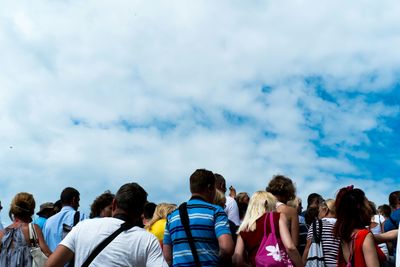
point(271, 252)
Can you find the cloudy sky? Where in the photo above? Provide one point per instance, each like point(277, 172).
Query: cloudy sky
point(94, 94)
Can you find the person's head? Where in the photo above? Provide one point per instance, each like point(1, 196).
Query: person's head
point(57, 206)
point(161, 212)
point(148, 212)
point(1, 207)
point(46, 210)
point(220, 182)
point(372, 206)
point(202, 183)
point(282, 188)
point(219, 199)
point(394, 200)
point(384, 210)
point(129, 201)
point(260, 202)
point(352, 212)
point(22, 207)
point(102, 205)
point(242, 200)
point(296, 203)
point(314, 199)
point(327, 209)
point(70, 197)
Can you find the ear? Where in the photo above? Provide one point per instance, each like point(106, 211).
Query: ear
point(113, 205)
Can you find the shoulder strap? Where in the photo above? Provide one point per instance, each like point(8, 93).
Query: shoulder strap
point(185, 222)
point(76, 218)
point(32, 235)
point(105, 242)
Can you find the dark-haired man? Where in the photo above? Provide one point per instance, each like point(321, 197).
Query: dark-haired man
point(207, 223)
point(58, 225)
point(133, 247)
point(393, 221)
point(231, 207)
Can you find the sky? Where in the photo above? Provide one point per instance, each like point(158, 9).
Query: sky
point(94, 94)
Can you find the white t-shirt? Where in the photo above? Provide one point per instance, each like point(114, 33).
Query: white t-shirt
point(135, 247)
point(232, 210)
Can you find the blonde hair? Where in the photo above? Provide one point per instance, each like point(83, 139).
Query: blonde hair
point(219, 198)
point(161, 212)
point(260, 202)
point(22, 206)
point(330, 203)
point(294, 203)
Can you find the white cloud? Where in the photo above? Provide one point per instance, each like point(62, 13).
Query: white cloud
point(182, 65)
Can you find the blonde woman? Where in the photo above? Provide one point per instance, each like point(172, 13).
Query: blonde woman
point(330, 245)
point(157, 223)
point(220, 200)
point(15, 244)
point(251, 231)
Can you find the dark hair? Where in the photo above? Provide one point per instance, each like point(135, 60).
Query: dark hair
point(242, 204)
point(131, 198)
point(314, 198)
point(351, 212)
point(149, 209)
point(220, 182)
point(200, 180)
point(385, 209)
point(282, 186)
point(100, 203)
point(68, 194)
point(372, 206)
point(394, 199)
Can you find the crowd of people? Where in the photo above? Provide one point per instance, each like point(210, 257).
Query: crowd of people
point(213, 228)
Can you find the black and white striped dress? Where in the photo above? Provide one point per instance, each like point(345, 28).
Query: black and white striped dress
point(330, 245)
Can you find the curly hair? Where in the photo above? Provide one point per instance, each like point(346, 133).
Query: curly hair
point(100, 203)
point(22, 206)
point(282, 187)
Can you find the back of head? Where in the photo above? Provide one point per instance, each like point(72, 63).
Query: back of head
point(22, 206)
point(219, 199)
point(149, 209)
point(352, 212)
point(161, 212)
point(220, 182)
point(67, 195)
point(385, 210)
point(282, 187)
point(201, 180)
point(131, 198)
point(100, 203)
point(394, 199)
point(260, 202)
point(314, 199)
point(330, 203)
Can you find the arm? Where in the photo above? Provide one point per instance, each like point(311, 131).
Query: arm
point(42, 243)
point(60, 257)
point(306, 249)
point(238, 256)
point(388, 236)
point(226, 246)
point(369, 250)
point(287, 241)
point(167, 251)
point(294, 225)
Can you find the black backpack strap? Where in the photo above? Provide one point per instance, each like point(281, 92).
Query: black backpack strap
point(76, 218)
point(185, 222)
point(105, 242)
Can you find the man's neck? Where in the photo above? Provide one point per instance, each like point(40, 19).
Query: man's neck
point(200, 196)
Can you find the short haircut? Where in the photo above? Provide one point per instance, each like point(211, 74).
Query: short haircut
point(149, 209)
point(314, 198)
point(282, 186)
point(385, 210)
point(394, 199)
point(100, 203)
point(68, 194)
point(200, 180)
point(219, 181)
point(131, 198)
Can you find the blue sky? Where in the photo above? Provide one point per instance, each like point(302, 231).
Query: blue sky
point(95, 94)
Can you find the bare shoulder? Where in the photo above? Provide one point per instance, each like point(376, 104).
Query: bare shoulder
point(287, 210)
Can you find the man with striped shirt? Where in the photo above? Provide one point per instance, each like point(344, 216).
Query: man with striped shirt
point(208, 224)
